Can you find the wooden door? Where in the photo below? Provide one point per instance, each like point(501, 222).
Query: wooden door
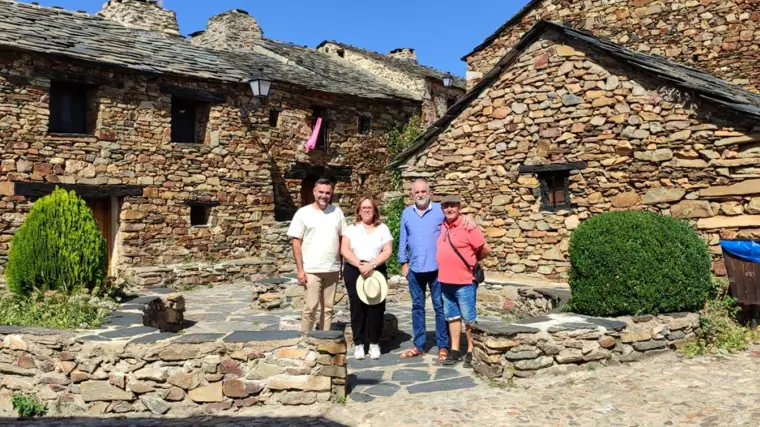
point(101, 210)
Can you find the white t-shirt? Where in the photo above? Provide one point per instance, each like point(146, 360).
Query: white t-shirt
point(368, 247)
point(319, 231)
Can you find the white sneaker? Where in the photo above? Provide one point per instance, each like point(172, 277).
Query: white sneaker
point(374, 351)
point(359, 352)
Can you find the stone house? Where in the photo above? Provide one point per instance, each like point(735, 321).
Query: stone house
point(718, 36)
point(567, 125)
point(400, 67)
point(191, 178)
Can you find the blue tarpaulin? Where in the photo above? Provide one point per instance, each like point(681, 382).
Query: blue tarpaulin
point(747, 250)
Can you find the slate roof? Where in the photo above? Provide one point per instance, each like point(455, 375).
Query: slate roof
point(704, 85)
point(404, 65)
point(511, 21)
point(91, 38)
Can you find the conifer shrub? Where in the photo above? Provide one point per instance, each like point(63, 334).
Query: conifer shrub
point(636, 262)
point(59, 247)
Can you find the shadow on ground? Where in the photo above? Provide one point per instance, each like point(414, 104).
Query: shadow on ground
point(205, 421)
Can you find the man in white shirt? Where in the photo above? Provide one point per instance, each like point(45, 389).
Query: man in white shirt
point(316, 230)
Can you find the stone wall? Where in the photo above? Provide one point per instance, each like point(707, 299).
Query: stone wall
point(646, 146)
point(190, 373)
point(142, 14)
point(251, 169)
point(719, 36)
point(434, 96)
point(562, 343)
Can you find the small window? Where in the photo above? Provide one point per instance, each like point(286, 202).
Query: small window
point(199, 215)
point(555, 193)
point(323, 137)
point(274, 118)
point(68, 108)
point(189, 120)
point(365, 125)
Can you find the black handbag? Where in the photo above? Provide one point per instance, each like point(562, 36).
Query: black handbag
point(477, 270)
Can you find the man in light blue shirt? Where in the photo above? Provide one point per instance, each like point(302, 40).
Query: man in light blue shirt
point(420, 228)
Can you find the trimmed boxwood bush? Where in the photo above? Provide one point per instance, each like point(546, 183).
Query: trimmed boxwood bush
point(635, 262)
point(59, 247)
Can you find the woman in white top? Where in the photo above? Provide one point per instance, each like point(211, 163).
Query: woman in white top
point(366, 246)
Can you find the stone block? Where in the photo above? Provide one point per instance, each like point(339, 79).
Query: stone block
point(299, 382)
point(155, 404)
point(174, 394)
point(569, 356)
point(333, 371)
point(297, 398)
point(649, 345)
point(240, 388)
point(607, 342)
point(521, 355)
point(534, 364)
point(332, 347)
point(635, 336)
point(157, 375)
point(209, 393)
point(17, 383)
point(486, 369)
point(102, 391)
point(291, 353)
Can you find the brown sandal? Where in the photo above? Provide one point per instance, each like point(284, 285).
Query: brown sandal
point(442, 355)
point(412, 353)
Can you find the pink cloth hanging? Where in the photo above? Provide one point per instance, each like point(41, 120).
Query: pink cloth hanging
point(312, 141)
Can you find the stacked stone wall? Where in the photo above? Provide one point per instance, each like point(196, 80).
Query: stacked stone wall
point(190, 374)
point(244, 165)
point(506, 352)
point(719, 36)
point(646, 146)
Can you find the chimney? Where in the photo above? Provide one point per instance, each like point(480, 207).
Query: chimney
point(404, 53)
point(141, 14)
point(233, 30)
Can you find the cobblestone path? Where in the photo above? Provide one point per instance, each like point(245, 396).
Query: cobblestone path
point(662, 391)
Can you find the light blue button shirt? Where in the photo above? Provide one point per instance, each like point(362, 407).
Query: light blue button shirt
point(418, 237)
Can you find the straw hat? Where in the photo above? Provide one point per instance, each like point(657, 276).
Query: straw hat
point(372, 290)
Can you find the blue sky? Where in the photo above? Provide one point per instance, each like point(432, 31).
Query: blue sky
point(440, 31)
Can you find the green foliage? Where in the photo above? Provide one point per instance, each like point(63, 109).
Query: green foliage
point(398, 140)
point(55, 310)
point(391, 213)
point(27, 406)
point(635, 262)
point(59, 247)
point(719, 332)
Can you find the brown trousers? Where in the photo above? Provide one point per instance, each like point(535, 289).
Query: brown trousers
point(320, 291)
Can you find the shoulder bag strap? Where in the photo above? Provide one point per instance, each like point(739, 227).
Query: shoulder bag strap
point(456, 251)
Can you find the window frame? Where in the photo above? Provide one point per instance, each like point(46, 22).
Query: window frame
point(548, 193)
point(201, 113)
point(323, 139)
point(274, 118)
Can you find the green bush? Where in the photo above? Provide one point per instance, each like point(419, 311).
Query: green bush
point(55, 310)
point(398, 139)
point(59, 247)
point(635, 262)
point(27, 406)
point(391, 213)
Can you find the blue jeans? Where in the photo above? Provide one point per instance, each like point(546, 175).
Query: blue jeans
point(418, 282)
point(459, 302)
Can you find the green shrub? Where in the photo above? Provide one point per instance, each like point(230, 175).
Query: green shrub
point(27, 406)
point(635, 262)
point(55, 310)
point(399, 139)
point(59, 247)
point(391, 212)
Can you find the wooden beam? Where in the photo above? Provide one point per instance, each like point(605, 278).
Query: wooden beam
point(194, 94)
point(35, 190)
point(78, 78)
point(553, 167)
point(302, 170)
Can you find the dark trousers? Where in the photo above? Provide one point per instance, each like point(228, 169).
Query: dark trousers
point(366, 320)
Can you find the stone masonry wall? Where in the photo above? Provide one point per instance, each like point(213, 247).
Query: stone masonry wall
point(646, 146)
point(434, 96)
point(142, 14)
point(565, 343)
point(720, 36)
point(187, 374)
point(244, 165)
